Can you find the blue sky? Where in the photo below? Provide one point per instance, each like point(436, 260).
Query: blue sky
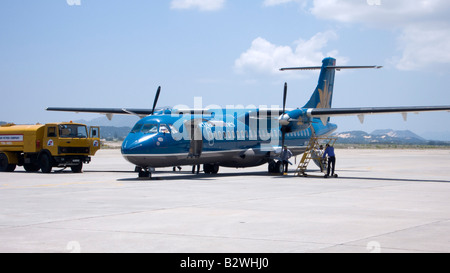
point(115, 53)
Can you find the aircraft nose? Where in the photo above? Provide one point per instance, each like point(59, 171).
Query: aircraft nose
point(131, 147)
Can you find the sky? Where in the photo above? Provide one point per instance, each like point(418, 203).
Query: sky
point(115, 53)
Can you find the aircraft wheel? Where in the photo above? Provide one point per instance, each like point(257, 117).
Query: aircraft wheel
point(207, 168)
point(271, 166)
point(145, 174)
point(211, 168)
point(279, 168)
point(215, 168)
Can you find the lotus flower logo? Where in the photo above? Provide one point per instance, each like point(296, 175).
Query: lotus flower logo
point(325, 97)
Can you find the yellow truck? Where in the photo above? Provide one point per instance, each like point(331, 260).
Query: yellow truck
point(44, 146)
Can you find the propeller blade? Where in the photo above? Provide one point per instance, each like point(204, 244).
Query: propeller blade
point(283, 128)
point(284, 97)
point(156, 99)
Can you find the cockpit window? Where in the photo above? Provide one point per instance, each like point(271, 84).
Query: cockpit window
point(164, 129)
point(136, 128)
point(173, 129)
point(149, 128)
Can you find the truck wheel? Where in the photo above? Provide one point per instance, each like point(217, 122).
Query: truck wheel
point(4, 164)
point(31, 167)
point(77, 168)
point(45, 163)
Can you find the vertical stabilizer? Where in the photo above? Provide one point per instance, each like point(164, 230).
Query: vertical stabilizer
point(323, 94)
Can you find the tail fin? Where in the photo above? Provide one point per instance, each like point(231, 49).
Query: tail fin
point(323, 94)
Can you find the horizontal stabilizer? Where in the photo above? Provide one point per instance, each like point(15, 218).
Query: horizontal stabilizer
point(316, 112)
point(330, 67)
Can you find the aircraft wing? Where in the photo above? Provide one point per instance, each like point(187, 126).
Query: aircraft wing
point(107, 111)
point(324, 113)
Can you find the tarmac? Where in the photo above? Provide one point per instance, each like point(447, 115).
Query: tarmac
point(383, 201)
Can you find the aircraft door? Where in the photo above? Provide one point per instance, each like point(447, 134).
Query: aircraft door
point(195, 135)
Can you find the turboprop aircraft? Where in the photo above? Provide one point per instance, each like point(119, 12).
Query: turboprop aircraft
point(236, 137)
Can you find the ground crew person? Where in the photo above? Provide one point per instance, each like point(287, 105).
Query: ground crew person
point(285, 155)
point(329, 150)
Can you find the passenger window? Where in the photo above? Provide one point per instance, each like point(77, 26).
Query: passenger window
point(149, 129)
point(51, 132)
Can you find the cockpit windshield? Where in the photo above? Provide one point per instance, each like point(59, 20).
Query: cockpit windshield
point(136, 128)
point(152, 128)
point(149, 128)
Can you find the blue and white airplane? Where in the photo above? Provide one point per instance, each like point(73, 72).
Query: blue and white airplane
point(243, 137)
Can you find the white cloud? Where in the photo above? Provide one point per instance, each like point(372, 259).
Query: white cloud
point(423, 47)
point(203, 5)
point(423, 25)
point(265, 57)
point(392, 13)
point(269, 3)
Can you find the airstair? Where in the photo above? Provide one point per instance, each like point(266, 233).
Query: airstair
point(314, 152)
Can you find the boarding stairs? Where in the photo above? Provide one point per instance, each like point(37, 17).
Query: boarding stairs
point(314, 151)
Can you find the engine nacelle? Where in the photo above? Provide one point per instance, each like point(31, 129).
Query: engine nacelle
point(295, 120)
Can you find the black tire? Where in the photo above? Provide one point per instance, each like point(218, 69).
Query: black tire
point(279, 168)
point(207, 168)
point(215, 168)
point(45, 163)
point(145, 174)
point(4, 164)
point(271, 167)
point(211, 168)
point(31, 167)
point(78, 168)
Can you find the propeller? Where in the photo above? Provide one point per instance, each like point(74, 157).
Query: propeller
point(156, 99)
point(284, 97)
point(283, 127)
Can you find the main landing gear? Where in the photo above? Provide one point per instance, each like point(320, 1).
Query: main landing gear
point(211, 168)
point(276, 167)
point(144, 173)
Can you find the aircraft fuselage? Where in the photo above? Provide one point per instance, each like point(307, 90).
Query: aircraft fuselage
point(234, 140)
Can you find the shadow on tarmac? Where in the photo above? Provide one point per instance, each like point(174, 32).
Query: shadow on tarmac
point(188, 175)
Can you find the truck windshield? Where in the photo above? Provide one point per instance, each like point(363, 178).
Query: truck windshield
point(72, 131)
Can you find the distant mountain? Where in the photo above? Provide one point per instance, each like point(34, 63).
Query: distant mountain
point(394, 134)
point(116, 121)
point(3, 122)
point(387, 136)
point(114, 133)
